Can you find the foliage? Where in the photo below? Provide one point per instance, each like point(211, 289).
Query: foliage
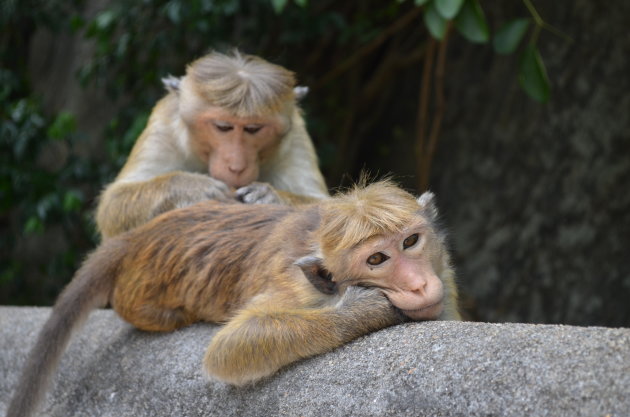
point(470, 21)
point(42, 185)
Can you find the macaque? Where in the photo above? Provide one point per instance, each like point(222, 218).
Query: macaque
point(230, 129)
point(287, 282)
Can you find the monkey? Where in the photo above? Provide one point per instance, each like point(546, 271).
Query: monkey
point(230, 129)
point(286, 282)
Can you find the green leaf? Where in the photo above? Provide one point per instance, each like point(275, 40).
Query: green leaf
point(33, 225)
point(435, 23)
point(301, 3)
point(278, 5)
point(471, 22)
point(105, 19)
point(507, 38)
point(533, 75)
point(174, 11)
point(11, 272)
point(64, 124)
point(46, 205)
point(123, 44)
point(76, 23)
point(420, 2)
point(19, 110)
point(72, 201)
point(448, 9)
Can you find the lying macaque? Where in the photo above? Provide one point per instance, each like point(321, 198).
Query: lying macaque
point(288, 282)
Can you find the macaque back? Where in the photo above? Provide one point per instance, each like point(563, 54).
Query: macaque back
point(198, 264)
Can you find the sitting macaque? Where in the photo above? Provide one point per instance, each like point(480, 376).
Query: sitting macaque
point(288, 282)
point(230, 129)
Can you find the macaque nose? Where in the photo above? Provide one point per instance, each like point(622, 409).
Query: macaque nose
point(419, 286)
point(236, 169)
point(236, 164)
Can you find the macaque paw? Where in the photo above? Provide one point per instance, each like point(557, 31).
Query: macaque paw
point(188, 188)
point(258, 193)
point(372, 303)
point(355, 295)
point(219, 190)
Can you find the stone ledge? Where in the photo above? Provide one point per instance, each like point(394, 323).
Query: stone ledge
point(417, 369)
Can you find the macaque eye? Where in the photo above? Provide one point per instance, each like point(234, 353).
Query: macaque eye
point(410, 241)
point(377, 258)
point(252, 129)
point(223, 127)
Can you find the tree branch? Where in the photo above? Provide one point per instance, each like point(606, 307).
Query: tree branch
point(423, 108)
point(371, 46)
point(440, 105)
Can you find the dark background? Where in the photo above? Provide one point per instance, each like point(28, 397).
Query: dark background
point(535, 195)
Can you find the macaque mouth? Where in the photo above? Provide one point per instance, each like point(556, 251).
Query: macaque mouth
point(425, 313)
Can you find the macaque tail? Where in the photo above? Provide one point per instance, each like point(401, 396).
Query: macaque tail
point(89, 289)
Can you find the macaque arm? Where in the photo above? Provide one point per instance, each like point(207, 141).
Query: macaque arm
point(267, 335)
point(125, 205)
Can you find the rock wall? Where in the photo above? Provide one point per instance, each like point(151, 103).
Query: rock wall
point(536, 196)
point(417, 369)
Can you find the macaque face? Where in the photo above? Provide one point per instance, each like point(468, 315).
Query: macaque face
point(404, 267)
point(233, 147)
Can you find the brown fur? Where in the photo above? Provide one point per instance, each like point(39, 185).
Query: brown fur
point(252, 268)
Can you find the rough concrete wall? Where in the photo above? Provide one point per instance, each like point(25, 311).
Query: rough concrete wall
point(428, 369)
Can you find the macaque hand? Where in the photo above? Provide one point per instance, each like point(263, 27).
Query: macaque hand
point(218, 190)
point(371, 307)
point(188, 188)
point(258, 193)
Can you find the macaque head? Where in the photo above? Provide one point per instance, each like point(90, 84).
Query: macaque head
point(237, 109)
point(381, 236)
point(403, 265)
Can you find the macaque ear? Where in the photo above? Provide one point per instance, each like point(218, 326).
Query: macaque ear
point(427, 205)
point(171, 84)
point(314, 271)
point(300, 92)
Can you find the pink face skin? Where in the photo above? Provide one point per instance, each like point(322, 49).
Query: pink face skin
point(233, 147)
point(400, 265)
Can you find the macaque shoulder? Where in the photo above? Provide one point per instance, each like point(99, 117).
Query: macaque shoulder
point(163, 146)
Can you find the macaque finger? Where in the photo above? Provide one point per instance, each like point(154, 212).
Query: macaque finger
point(258, 193)
point(381, 311)
point(218, 190)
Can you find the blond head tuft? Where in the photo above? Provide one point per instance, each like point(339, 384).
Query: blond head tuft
point(245, 85)
point(363, 212)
